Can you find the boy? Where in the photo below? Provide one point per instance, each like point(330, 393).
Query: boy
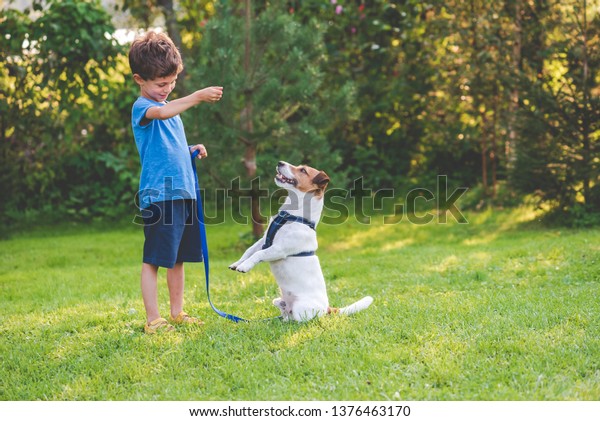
point(167, 186)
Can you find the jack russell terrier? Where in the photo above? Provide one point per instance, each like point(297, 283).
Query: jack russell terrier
point(289, 246)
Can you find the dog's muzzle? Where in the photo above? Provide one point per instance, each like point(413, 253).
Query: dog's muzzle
point(282, 178)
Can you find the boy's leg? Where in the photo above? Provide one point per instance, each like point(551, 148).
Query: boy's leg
point(150, 291)
point(189, 250)
point(176, 282)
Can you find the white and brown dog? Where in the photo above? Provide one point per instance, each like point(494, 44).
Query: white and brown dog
point(290, 243)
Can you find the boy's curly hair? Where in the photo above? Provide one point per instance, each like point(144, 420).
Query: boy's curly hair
point(154, 55)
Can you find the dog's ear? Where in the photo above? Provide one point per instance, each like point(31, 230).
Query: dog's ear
point(321, 180)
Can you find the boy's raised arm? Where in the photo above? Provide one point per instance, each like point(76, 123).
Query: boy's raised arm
point(177, 106)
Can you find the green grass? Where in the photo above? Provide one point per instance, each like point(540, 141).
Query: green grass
point(499, 309)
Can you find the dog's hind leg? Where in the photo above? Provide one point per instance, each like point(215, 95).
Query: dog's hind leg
point(281, 305)
point(304, 313)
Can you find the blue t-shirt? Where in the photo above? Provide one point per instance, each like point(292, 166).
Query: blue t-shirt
point(167, 172)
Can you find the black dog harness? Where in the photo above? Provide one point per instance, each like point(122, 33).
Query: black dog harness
point(280, 220)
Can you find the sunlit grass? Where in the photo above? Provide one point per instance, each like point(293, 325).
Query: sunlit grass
point(496, 309)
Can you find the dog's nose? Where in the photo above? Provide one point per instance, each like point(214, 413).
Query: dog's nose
point(281, 164)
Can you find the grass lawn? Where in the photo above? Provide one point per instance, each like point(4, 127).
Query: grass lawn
point(497, 309)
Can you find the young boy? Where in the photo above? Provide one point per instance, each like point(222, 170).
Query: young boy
point(167, 186)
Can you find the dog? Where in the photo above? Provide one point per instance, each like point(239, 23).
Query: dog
point(289, 246)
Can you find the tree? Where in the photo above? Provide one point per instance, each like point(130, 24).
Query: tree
point(275, 105)
point(561, 115)
point(393, 91)
point(55, 93)
point(378, 46)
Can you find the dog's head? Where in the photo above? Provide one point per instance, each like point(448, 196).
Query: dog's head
point(302, 178)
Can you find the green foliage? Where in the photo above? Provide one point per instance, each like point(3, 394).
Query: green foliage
point(374, 46)
point(560, 118)
point(283, 93)
point(62, 112)
point(74, 44)
point(498, 309)
point(500, 96)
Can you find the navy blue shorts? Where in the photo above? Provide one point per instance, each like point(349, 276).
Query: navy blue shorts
point(171, 231)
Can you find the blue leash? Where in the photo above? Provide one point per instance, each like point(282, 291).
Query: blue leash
point(204, 244)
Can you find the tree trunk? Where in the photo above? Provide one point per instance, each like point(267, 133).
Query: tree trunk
point(494, 151)
point(477, 97)
point(511, 144)
point(248, 126)
point(484, 156)
point(585, 120)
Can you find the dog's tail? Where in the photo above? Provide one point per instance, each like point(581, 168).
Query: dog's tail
point(360, 305)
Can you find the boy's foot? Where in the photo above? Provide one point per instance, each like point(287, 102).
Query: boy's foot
point(184, 318)
point(158, 325)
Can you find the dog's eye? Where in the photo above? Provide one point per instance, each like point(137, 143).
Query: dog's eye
point(304, 171)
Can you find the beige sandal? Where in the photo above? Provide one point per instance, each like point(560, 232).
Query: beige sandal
point(184, 318)
point(158, 325)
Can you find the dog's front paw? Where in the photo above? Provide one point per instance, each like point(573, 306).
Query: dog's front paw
point(234, 265)
point(244, 267)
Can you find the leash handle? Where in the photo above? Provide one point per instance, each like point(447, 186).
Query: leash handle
point(204, 244)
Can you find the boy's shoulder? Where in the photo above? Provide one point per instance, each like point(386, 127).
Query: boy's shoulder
point(141, 105)
point(139, 109)
point(143, 101)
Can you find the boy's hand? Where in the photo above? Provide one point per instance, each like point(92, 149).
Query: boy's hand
point(210, 94)
point(201, 151)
